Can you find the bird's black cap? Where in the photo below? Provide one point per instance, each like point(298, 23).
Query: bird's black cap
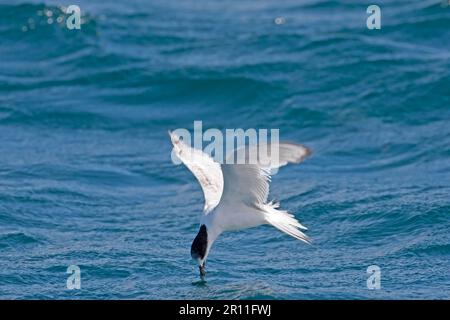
point(200, 244)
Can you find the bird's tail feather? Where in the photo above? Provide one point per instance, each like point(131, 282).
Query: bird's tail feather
point(284, 221)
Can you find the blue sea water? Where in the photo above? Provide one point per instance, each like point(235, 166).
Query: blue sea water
point(86, 176)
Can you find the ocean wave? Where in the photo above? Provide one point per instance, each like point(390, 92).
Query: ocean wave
point(15, 240)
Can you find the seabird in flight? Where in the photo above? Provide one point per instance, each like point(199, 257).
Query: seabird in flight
point(236, 194)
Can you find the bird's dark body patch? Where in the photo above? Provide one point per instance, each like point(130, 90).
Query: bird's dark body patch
point(200, 244)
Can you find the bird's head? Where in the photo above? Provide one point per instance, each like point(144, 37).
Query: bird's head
point(200, 247)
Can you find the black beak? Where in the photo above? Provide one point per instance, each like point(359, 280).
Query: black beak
point(202, 270)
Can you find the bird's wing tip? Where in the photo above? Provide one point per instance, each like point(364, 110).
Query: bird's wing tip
point(173, 137)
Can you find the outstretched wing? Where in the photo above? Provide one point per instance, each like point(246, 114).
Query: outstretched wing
point(269, 156)
point(249, 180)
point(245, 183)
point(204, 168)
point(249, 183)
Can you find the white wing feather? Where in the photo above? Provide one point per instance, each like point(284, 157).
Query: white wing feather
point(249, 183)
point(204, 168)
point(246, 183)
point(274, 156)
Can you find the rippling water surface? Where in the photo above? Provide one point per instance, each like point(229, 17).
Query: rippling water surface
point(85, 170)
